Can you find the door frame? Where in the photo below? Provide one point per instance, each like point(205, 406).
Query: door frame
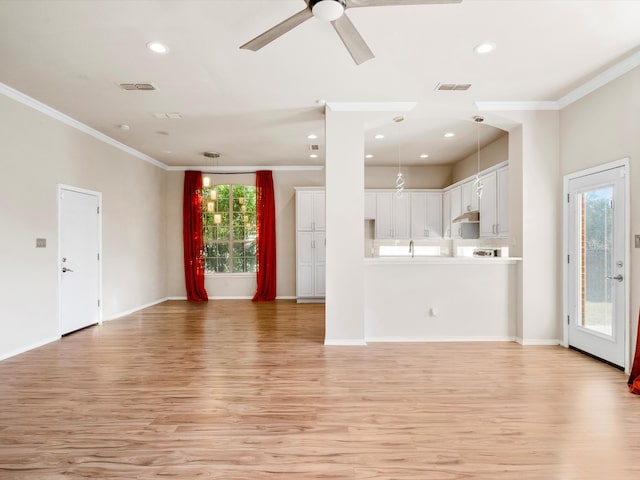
point(98, 195)
point(624, 163)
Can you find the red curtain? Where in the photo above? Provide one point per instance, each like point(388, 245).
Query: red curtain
point(266, 241)
point(192, 237)
point(634, 378)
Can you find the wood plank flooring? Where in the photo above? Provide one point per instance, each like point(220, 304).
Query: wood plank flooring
point(235, 390)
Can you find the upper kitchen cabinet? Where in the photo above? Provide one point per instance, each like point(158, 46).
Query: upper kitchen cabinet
point(446, 214)
point(426, 215)
point(310, 209)
point(469, 196)
point(494, 216)
point(455, 210)
point(393, 215)
point(369, 205)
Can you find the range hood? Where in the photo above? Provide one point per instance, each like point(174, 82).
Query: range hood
point(468, 217)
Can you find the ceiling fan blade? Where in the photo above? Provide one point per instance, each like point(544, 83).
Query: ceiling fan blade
point(277, 31)
point(389, 3)
point(359, 50)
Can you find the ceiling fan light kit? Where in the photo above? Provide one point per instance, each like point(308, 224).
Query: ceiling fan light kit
point(334, 11)
point(327, 10)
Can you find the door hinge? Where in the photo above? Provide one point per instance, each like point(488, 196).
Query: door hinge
point(568, 258)
point(567, 319)
point(568, 197)
point(98, 210)
point(98, 302)
point(98, 255)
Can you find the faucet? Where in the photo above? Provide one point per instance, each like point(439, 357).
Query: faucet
point(411, 250)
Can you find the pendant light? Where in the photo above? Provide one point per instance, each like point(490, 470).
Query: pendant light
point(399, 178)
point(479, 186)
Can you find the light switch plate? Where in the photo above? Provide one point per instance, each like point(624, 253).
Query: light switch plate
point(637, 241)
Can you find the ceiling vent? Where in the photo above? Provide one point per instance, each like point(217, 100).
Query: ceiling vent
point(314, 147)
point(453, 86)
point(137, 86)
point(211, 154)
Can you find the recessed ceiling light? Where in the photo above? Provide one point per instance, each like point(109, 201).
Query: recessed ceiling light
point(379, 136)
point(313, 155)
point(485, 48)
point(312, 136)
point(449, 135)
point(124, 127)
point(368, 155)
point(424, 155)
point(157, 47)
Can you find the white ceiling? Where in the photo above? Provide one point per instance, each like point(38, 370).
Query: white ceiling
point(257, 108)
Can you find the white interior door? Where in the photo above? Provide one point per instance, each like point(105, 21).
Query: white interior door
point(596, 264)
point(79, 250)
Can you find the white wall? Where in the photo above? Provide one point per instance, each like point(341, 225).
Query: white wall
point(435, 176)
point(492, 154)
point(602, 127)
point(38, 152)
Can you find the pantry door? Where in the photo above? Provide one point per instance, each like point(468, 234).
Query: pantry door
point(596, 264)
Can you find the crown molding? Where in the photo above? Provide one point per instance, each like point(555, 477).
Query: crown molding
point(248, 168)
point(516, 106)
point(601, 79)
point(72, 122)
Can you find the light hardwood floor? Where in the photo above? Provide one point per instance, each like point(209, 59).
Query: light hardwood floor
point(235, 390)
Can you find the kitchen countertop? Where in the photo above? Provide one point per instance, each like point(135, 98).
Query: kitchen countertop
point(431, 260)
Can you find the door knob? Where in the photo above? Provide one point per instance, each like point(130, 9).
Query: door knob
point(65, 270)
point(618, 277)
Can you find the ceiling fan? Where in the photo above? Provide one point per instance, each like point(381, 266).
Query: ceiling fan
point(333, 11)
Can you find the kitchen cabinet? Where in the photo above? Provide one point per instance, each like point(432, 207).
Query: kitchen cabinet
point(310, 244)
point(426, 215)
point(494, 220)
point(310, 211)
point(469, 196)
point(369, 205)
point(393, 215)
point(455, 210)
point(446, 214)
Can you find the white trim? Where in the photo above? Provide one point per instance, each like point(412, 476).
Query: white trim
point(72, 122)
point(26, 348)
point(248, 168)
point(438, 339)
point(601, 80)
point(356, 342)
point(136, 309)
point(93, 193)
point(231, 297)
point(517, 106)
point(528, 342)
point(371, 106)
point(175, 298)
point(286, 297)
point(620, 163)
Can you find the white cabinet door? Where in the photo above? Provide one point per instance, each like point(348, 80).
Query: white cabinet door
point(310, 210)
point(456, 211)
point(320, 248)
point(319, 223)
point(488, 218)
point(402, 216)
point(426, 215)
point(469, 197)
point(446, 214)
point(503, 202)
point(369, 205)
point(384, 215)
point(305, 265)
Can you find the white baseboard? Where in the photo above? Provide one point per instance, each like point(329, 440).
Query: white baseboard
point(134, 310)
point(176, 298)
point(26, 348)
point(356, 342)
point(537, 341)
point(438, 339)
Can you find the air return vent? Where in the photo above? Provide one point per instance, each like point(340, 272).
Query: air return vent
point(137, 86)
point(453, 86)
